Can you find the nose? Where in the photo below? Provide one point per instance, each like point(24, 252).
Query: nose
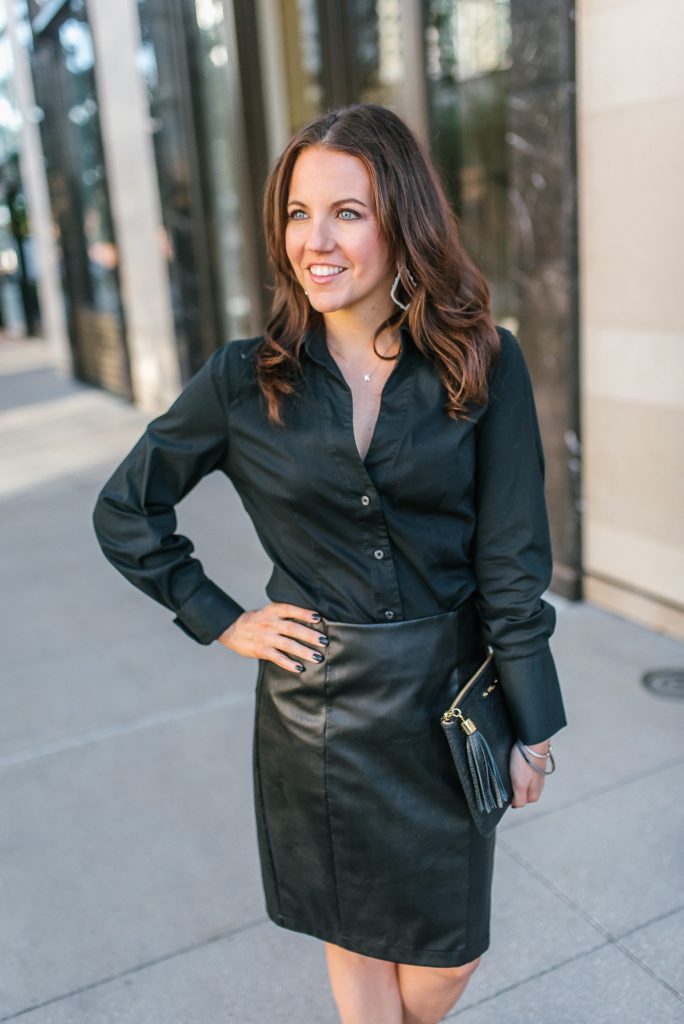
point(319, 237)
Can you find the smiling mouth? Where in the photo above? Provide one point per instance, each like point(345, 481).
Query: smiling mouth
point(325, 273)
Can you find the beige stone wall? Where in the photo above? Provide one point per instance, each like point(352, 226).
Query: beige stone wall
point(630, 112)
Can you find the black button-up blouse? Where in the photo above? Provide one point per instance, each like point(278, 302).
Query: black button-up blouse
point(439, 509)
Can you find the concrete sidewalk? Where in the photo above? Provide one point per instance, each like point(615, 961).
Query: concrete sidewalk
point(129, 880)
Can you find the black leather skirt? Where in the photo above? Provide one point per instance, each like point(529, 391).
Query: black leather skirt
point(365, 839)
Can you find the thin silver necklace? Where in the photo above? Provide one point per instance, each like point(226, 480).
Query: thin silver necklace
point(366, 376)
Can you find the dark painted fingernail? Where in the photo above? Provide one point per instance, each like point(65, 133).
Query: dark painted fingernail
point(323, 640)
point(317, 656)
point(316, 617)
point(299, 668)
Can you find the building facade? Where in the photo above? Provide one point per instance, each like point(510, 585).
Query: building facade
point(148, 127)
point(631, 218)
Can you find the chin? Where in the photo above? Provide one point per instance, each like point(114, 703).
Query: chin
point(324, 305)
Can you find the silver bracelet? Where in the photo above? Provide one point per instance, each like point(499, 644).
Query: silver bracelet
point(540, 771)
point(534, 753)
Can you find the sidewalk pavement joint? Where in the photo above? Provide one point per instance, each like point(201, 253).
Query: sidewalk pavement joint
point(594, 794)
point(492, 996)
point(123, 729)
point(610, 938)
point(229, 933)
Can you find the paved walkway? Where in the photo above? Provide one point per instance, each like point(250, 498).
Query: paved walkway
point(129, 881)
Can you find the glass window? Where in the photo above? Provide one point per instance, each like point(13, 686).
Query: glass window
point(187, 59)
point(218, 116)
point(63, 68)
point(302, 60)
point(467, 47)
point(162, 60)
point(19, 310)
point(377, 52)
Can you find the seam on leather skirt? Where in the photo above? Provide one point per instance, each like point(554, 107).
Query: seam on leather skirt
point(327, 800)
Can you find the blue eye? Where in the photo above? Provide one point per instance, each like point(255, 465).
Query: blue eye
point(293, 214)
point(347, 210)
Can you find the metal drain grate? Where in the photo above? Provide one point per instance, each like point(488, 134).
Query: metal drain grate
point(665, 682)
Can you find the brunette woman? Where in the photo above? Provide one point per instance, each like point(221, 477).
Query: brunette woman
point(383, 437)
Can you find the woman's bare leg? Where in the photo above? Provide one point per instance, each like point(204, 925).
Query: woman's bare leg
point(428, 993)
point(365, 989)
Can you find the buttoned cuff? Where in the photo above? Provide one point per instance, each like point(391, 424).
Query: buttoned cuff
point(206, 614)
point(533, 695)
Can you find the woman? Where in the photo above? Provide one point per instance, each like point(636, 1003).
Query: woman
point(383, 437)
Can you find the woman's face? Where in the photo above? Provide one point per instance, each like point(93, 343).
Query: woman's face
point(333, 238)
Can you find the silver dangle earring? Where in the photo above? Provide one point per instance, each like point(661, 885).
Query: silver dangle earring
point(397, 281)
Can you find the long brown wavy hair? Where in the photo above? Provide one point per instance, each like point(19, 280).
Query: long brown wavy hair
point(449, 305)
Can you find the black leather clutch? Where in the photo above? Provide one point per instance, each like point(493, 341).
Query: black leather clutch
point(480, 734)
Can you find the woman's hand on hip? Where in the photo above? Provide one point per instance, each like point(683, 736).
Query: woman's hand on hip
point(270, 633)
point(527, 784)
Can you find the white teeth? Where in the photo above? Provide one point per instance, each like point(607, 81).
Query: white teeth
point(325, 271)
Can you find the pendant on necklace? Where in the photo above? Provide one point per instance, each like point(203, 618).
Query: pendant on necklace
point(366, 376)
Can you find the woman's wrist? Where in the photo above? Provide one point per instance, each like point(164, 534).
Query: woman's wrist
point(541, 749)
point(538, 756)
point(539, 746)
point(226, 636)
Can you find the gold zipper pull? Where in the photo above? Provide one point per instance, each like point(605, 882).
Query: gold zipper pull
point(467, 724)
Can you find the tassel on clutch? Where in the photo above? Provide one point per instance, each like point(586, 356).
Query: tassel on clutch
point(480, 734)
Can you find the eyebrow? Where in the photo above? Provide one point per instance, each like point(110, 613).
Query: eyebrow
point(338, 202)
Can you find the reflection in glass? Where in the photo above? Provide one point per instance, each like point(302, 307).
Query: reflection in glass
point(467, 62)
point(302, 61)
point(19, 311)
point(162, 61)
point(63, 69)
point(218, 134)
point(78, 60)
point(378, 59)
point(191, 87)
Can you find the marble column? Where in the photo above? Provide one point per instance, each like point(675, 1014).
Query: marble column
point(540, 134)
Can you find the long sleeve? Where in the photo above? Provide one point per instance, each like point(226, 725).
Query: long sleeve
point(134, 517)
point(512, 548)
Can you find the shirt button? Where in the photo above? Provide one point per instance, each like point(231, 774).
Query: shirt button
point(378, 553)
point(365, 500)
point(389, 614)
